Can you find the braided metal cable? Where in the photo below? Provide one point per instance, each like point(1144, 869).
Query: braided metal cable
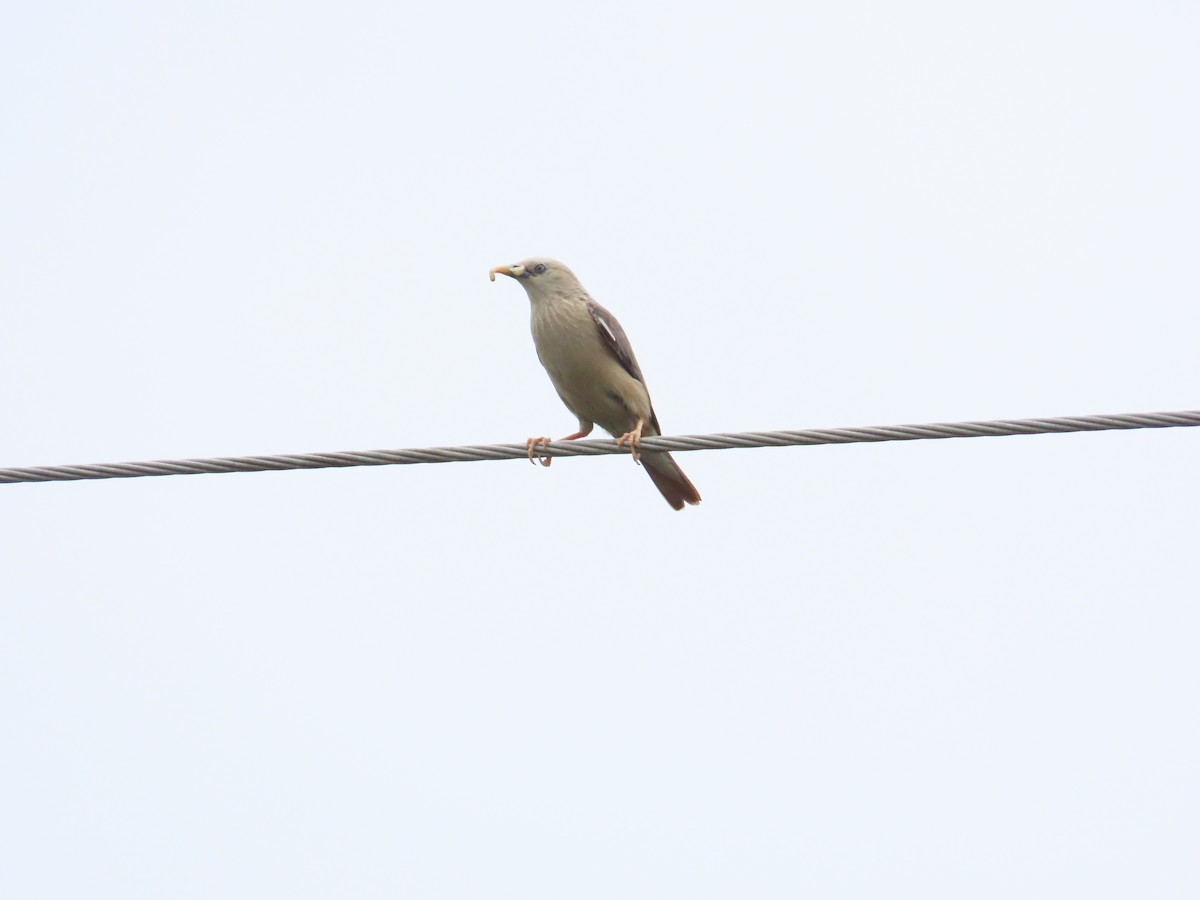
point(481, 452)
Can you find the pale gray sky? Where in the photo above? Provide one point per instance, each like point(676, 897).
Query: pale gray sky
point(940, 669)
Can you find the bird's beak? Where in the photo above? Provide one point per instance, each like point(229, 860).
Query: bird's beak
point(510, 271)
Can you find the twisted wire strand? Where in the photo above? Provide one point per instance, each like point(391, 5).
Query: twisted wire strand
point(677, 443)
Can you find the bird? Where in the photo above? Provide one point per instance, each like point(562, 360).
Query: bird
point(592, 367)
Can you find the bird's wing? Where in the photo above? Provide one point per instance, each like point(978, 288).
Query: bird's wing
point(612, 335)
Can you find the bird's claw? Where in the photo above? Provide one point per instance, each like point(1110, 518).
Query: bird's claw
point(634, 440)
point(531, 445)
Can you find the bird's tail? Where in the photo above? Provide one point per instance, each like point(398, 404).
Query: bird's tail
point(670, 480)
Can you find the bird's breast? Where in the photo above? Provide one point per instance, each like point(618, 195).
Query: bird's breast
point(565, 337)
point(593, 384)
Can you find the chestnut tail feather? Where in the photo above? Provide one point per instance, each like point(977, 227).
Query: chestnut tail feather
point(670, 480)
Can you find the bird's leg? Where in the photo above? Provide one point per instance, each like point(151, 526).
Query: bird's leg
point(634, 440)
point(585, 428)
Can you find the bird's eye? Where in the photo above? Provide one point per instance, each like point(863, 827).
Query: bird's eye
point(539, 268)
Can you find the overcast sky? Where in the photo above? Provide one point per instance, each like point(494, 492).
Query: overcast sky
point(962, 668)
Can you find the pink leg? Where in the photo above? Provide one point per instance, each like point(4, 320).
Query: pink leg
point(532, 443)
point(634, 440)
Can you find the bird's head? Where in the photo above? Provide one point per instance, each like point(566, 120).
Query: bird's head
point(541, 277)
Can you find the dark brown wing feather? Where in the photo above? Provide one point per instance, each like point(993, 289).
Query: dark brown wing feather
point(613, 336)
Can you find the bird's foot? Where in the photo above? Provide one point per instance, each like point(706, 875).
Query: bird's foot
point(634, 440)
point(531, 445)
